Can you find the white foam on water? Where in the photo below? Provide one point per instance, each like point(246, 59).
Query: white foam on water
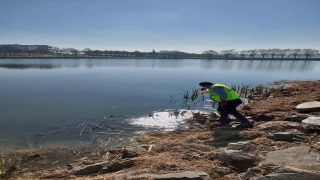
point(166, 119)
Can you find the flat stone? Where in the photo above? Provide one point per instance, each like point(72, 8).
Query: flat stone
point(295, 117)
point(192, 175)
point(308, 106)
point(302, 155)
point(287, 136)
point(273, 124)
point(290, 173)
point(237, 159)
point(312, 120)
point(242, 143)
point(90, 169)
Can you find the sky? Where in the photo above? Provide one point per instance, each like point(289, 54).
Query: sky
point(191, 26)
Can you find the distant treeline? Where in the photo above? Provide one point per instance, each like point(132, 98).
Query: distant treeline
point(256, 54)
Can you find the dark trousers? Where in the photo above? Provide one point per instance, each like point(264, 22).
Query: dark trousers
point(231, 108)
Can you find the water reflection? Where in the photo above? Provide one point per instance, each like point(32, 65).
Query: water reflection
point(264, 65)
point(28, 66)
point(261, 65)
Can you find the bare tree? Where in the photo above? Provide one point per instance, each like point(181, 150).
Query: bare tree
point(55, 50)
point(210, 53)
point(87, 51)
point(295, 52)
point(73, 51)
point(283, 52)
point(228, 53)
point(252, 53)
point(273, 52)
point(263, 52)
point(243, 54)
point(309, 52)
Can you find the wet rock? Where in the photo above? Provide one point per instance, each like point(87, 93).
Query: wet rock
point(308, 107)
point(201, 120)
point(237, 159)
point(302, 155)
point(196, 126)
point(290, 173)
point(192, 175)
point(287, 136)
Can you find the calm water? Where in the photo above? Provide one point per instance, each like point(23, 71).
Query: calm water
point(76, 103)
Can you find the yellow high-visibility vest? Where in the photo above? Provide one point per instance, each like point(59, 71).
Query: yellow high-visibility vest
point(231, 95)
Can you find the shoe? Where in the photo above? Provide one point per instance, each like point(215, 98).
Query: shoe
point(244, 125)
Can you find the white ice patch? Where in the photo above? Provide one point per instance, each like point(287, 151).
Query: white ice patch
point(167, 119)
point(208, 107)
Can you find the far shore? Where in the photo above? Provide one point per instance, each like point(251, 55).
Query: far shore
point(128, 57)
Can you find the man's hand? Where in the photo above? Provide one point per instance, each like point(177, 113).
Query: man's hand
point(224, 103)
point(204, 92)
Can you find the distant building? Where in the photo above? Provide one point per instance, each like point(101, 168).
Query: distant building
point(12, 48)
point(17, 48)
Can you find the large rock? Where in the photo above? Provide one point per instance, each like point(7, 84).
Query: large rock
point(192, 175)
point(302, 155)
point(237, 159)
point(289, 173)
point(102, 167)
point(308, 107)
point(312, 120)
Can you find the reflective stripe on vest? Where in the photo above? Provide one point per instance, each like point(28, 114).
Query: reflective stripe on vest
point(231, 95)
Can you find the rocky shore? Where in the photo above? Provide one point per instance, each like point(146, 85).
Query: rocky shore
point(283, 144)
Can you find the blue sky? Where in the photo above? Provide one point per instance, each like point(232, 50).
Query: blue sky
point(187, 25)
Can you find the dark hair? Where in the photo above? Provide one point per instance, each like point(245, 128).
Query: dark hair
point(205, 84)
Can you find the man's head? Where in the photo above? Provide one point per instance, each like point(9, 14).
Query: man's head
point(206, 84)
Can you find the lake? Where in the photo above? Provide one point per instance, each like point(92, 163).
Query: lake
point(49, 103)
